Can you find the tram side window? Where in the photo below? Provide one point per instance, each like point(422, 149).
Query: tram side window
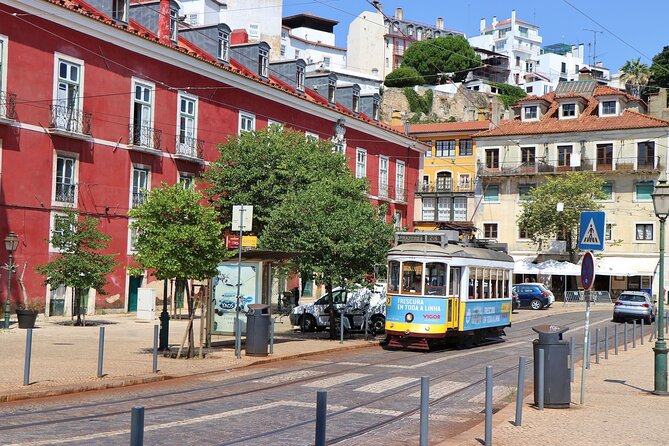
point(394, 277)
point(473, 290)
point(412, 277)
point(435, 279)
point(455, 281)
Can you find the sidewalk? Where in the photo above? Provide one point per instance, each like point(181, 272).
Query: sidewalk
point(619, 409)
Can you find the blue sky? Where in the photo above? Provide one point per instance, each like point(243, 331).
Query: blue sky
point(621, 23)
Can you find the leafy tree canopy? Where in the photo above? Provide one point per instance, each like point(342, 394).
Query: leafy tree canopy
point(450, 54)
point(80, 263)
point(579, 191)
point(660, 69)
point(508, 94)
point(404, 77)
point(262, 168)
point(177, 236)
point(635, 75)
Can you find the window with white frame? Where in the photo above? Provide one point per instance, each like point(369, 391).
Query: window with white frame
point(644, 232)
point(263, 62)
point(375, 109)
point(332, 87)
point(140, 186)
point(254, 30)
point(282, 50)
point(608, 108)
point(460, 209)
point(564, 156)
point(399, 180)
point(66, 112)
point(186, 180)
point(142, 115)
point(120, 10)
point(132, 236)
point(59, 224)
point(297, 53)
point(444, 208)
point(223, 45)
point(312, 136)
point(444, 148)
point(186, 133)
point(247, 122)
point(383, 176)
point(608, 232)
point(360, 163)
point(65, 190)
point(397, 219)
point(326, 61)
point(568, 110)
point(193, 19)
point(3, 45)
point(428, 209)
point(340, 147)
point(299, 81)
point(531, 112)
point(278, 124)
point(356, 101)
point(174, 17)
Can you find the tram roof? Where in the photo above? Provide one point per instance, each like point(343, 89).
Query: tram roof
point(451, 250)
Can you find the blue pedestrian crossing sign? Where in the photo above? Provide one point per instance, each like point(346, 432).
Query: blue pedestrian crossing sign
point(592, 231)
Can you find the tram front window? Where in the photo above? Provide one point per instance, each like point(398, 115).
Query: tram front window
point(393, 276)
point(412, 277)
point(435, 279)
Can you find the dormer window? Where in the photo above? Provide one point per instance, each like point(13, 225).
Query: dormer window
point(331, 91)
point(263, 62)
point(223, 45)
point(120, 10)
point(355, 103)
point(568, 110)
point(173, 25)
point(375, 110)
point(608, 108)
point(300, 78)
point(531, 112)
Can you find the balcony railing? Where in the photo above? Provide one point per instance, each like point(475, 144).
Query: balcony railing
point(65, 192)
point(619, 164)
point(142, 136)
point(445, 185)
point(7, 106)
point(189, 147)
point(139, 197)
point(69, 119)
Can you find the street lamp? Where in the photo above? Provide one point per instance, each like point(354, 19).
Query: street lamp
point(661, 207)
point(11, 243)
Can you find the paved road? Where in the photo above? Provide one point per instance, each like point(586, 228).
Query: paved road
point(373, 396)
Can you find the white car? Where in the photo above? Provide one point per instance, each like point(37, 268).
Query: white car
point(354, 303)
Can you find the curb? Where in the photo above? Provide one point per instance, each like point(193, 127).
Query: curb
point(146, 379)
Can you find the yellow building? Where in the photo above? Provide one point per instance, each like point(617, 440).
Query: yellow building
point(444, 197)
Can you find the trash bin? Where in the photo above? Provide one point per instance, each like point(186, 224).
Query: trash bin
point(557, 384)
point(257, 330)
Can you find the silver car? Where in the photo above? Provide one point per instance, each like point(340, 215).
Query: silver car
point(634, 305)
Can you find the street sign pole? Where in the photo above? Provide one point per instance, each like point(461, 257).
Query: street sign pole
point(244, 224)
point(587, 279)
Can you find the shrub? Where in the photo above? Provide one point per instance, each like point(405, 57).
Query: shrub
point(404, 77)
point(417, 103)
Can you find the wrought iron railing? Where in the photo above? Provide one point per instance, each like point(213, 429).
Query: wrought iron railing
point(70, 119)
point(191, 147)
point(445, 185)
point(65, 192)
point(144, 136)
point(139, 197)
point(618, 164)
point(7, 105)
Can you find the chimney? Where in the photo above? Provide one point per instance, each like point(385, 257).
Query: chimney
point(239, 36)
point(440, 23)
point(482, 26)
point(377, 5)
point(513, 19)
point(494, 21)
point(584, 74)
point(396, 118)
point(164, 23)
point(398, 14)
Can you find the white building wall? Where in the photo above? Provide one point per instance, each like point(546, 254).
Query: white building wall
point(314, 35)
point(261, 15)
point(365, 45)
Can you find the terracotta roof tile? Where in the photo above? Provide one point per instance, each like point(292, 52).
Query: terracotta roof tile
point(446, 127)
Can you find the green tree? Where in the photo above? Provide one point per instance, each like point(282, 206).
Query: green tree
point(404, 77)
point(341, 237)
point(578, 191)
point(261, 168)
point(79, 264)
point(435, 57)
point(508, 94)
point(659, 69)
point(635, 75)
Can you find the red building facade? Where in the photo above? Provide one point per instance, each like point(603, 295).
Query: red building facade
point(94, 112)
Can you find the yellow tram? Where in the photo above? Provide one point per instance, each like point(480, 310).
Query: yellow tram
point(440, 288)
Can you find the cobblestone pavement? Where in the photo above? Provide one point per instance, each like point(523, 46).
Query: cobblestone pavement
point(274, 404)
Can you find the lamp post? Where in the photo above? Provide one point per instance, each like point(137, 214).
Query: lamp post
point(11, 243)
point(661, 207)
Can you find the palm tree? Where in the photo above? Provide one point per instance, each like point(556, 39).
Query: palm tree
point(635, 75)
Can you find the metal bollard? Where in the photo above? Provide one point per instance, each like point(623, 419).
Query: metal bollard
point(28, 354)
point(572, 355)
point(101, 350)
point(625, 335)
point(642, 330)
point(321, 415)
point(520, 390)
point(271, 336)
point(155, 349)
point(634, 333)
point(424, 409)
point(606, 342)
point(341, 328)
point(137, 426)
point(615, 338)
point(366, 320)
point(597, 346)
point(540, 384)
point(488, 405)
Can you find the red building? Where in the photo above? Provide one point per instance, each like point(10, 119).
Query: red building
point(99, 105)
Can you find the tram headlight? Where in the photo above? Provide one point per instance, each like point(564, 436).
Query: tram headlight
point(427, 328)
point(408, 317)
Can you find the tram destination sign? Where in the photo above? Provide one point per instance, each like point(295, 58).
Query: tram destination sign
point(441, 237)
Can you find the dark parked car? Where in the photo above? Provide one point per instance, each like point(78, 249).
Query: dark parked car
point(515, 302)
point(533, 295)
point(634, 305)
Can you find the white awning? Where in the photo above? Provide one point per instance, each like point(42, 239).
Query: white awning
point(626, 266)
point(547, 268)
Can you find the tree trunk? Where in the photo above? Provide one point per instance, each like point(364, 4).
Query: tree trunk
point(328, 289)
point(77, 306)
point(191, 316)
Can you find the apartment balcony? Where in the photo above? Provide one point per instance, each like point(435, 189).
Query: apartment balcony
point(7, 107)
point(65, 193)
point(144, 139)
point(139, 197)
point(69, 122)
point(446, 185)
point(190, 149)
point(392, 193)
point(619, 165)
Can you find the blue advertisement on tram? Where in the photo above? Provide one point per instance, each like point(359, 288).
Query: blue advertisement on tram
point(484, 314)
point(416, 310)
